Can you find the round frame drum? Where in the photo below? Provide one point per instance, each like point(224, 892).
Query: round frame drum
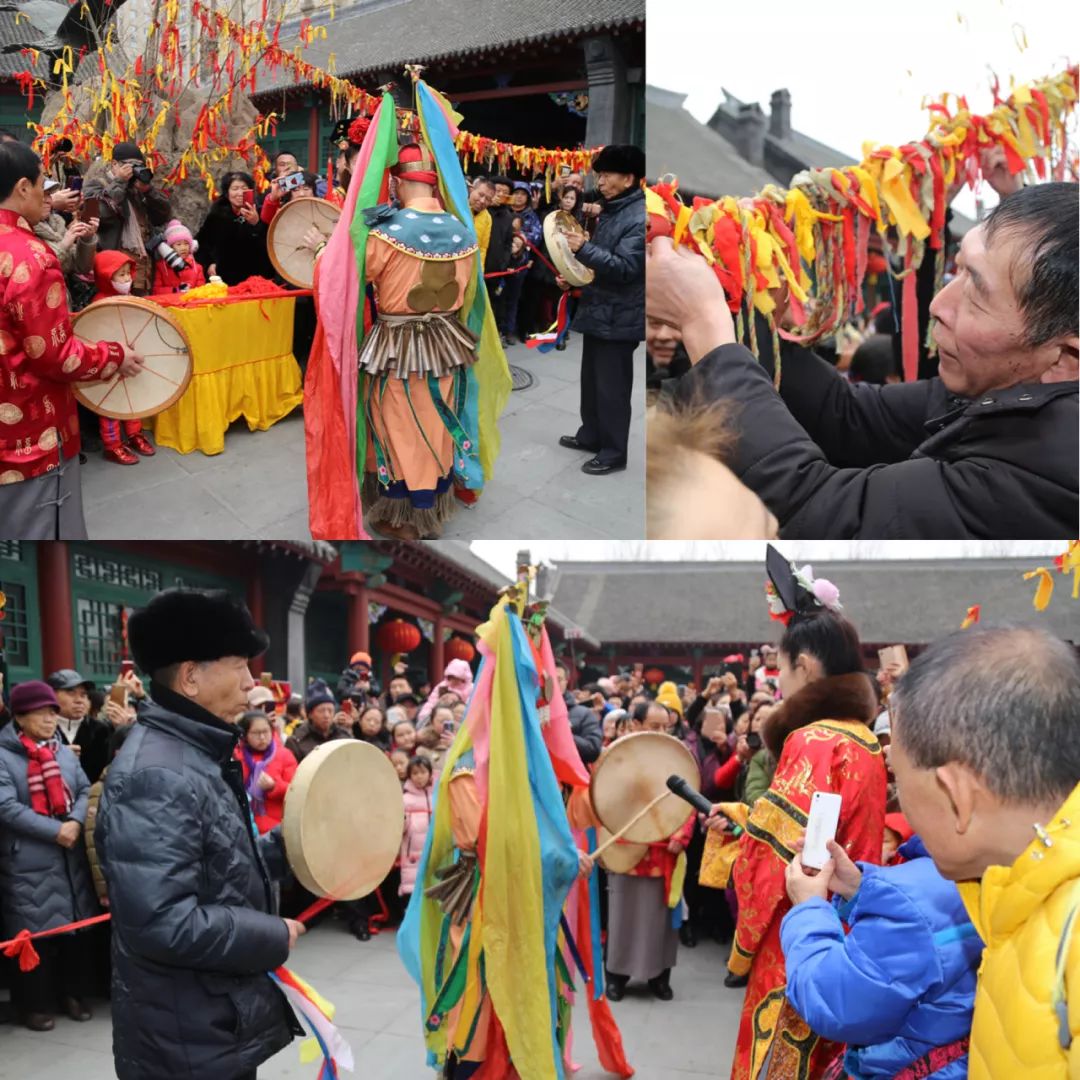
point(343, 821)
point(631, 772)
point(285, 241)
point(556, 227)
point(620, 858)
point(152, 332)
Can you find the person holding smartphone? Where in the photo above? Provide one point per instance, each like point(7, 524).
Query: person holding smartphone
point(232, 240)
point(129, 207)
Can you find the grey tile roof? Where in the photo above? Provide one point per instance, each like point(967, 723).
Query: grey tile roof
point(375, 35)
point(704, 161)
point(16, 34)
point(911, 602)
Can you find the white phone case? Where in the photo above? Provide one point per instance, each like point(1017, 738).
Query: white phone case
point(820, 827)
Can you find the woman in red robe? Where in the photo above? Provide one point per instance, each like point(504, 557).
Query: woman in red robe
point(821, 738)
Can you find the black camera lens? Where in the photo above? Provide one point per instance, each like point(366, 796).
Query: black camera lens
point(144, 176)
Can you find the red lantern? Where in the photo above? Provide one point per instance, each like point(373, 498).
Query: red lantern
point(397, 636)
point(459, 649)
point(654, 676)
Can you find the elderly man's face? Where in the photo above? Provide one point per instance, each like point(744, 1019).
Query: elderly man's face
point(980, 329)
point(219, 686)
point(74, 704)
point(661, 340)
point(658, 718)
point(611, 185)
point(958, 849)
point(480, 197)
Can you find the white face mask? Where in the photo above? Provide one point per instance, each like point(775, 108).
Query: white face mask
point(122, 287)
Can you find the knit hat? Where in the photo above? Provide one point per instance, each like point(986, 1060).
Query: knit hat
point(668, 696)
point(127, 151)
point(318, 693)
point(360, 659)
point(185, 624)
point(177, 232)
point(30, 696)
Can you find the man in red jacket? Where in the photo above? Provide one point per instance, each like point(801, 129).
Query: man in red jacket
point(40, 492)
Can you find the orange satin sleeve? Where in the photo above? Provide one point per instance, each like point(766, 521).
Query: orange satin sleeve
point(579, 810)
point(465, 811)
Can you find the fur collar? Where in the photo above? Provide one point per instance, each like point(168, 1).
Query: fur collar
point(840, 697)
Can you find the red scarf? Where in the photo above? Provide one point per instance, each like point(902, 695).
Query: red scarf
point(49, 795)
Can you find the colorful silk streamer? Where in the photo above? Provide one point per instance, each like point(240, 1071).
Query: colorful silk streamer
point(318, 1013)
point(526, 854)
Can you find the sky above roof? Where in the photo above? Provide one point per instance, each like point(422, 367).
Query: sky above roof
point(860, 75)
point(502, 554)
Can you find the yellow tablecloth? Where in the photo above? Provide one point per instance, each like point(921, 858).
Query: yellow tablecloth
point(243, 365)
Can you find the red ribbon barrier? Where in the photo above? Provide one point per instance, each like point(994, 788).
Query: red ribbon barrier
point(21, 945)
point(505, 273)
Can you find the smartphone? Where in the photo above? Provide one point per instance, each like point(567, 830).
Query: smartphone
point(893, 654)
point(118, 694)
point(564, 170)
point(249, 199)
point(448, 727)
point(292, 181)
point(820, 827)
point(91, 208)
point(74, 183)
point(126, 667)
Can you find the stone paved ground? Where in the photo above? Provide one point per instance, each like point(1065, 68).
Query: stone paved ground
point(690, 1038)
point(258, 487)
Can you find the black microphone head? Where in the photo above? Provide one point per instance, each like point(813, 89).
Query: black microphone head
point(677, 784)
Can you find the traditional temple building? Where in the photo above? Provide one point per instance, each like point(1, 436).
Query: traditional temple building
point(66, 602)
point(538, 74)
point(684, 618)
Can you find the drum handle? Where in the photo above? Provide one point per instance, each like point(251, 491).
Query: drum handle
point(629, 825)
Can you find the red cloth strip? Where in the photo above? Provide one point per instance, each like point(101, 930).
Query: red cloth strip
point(210, 301)
point(21, 944)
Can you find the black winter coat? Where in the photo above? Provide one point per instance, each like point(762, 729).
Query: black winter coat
point(237, 249)
point(502, 233)
point(92, 739)
point(42, 885)
point(613, 306)
point(909, 461)
point(189, 889)
point(586, 728)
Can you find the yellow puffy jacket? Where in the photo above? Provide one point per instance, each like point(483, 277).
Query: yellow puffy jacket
point(1027, 1004)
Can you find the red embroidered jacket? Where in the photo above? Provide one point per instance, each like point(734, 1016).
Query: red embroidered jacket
point(39, 357)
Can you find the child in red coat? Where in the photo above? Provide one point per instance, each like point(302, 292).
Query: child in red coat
point(168, 281)
point(268, 769)
point(114, 273)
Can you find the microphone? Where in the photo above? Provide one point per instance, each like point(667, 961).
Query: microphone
point(678, 786)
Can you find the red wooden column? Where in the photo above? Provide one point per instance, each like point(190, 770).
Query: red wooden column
point(255, 606)
point(699, 666)
point(55, 606)
point(359, 629)
point(437, 663)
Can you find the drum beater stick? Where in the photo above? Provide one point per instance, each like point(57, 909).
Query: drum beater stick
point(629, 825)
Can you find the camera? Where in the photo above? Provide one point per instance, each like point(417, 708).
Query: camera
point(753, 740)
point(292, 181)
point(166, 252)
point(143, 175)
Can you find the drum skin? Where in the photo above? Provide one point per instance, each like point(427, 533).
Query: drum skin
point(285, 241)
point(152, 332)
point(556, 225)
point(621, 857)
point(343, 821)
point(631, 772)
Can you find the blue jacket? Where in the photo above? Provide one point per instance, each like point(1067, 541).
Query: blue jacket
point(901, 982)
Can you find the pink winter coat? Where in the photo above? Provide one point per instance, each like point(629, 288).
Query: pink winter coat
point(456, 669)
point(417, 820)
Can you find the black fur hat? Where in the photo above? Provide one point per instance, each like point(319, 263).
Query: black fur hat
point(621, 158)
point(184, 624)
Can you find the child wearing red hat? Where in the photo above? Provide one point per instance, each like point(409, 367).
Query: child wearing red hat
point(114, 273)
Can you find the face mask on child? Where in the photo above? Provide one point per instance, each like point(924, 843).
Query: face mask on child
point(122, 287)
